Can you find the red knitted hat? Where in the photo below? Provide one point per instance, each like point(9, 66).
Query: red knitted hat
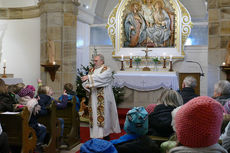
point(198, 122)
point(150, 108)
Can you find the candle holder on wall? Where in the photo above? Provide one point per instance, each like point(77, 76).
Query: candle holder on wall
point(4, 72)
point(52, 69)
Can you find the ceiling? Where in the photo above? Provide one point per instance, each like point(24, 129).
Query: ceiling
point(102, 8)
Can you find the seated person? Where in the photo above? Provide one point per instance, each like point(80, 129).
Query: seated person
point(136, 140)
point(68, 87)
point(150, 108)
point(27, 99)
point(6, 101)
point(97, 146)
point(188, 92)
point(160, 119)
point(222, 91)
point(45, 99)
point(197, 125)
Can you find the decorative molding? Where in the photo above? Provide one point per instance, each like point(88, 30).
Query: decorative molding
point(20, 13)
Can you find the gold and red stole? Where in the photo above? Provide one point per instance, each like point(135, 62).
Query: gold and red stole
point(100, 103)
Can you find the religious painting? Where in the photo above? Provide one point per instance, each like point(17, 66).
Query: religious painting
point(162, 25)
point(149, 23)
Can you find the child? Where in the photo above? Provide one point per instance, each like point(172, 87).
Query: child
point(68, 87)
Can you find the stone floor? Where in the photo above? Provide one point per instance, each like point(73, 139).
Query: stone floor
point(74, 150)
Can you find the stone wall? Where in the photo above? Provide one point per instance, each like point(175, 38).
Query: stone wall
point(58, 23)
point(219, 35)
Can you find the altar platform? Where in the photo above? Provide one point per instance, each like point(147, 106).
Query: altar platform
point(144, 87)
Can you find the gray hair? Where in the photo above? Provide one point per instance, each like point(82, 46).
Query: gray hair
point(170, 98)
point(190, 81)
point(222, 87)
point(101, 57)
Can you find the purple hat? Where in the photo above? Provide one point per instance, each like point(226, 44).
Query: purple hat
point(98, 145)
point(30, 87)
point(26, 92)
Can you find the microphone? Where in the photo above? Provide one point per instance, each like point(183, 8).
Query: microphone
point(202, 73)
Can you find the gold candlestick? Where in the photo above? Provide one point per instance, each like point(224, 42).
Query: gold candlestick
point(164, 64)
point(4, 72)
point(170, 66)
point(122, 66)
point(131, 63)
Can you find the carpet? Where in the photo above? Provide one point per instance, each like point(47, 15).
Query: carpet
point(84, 131)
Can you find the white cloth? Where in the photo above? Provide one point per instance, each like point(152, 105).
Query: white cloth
point(111, 123)
point(10, 81)
point(146, 81)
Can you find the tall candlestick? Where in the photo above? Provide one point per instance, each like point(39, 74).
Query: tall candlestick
point(170, 66)
point(164, 64)
point(130, 63)
point(122, 66)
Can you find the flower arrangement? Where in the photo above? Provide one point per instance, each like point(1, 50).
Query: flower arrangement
point(137, 60)
point(156, 59)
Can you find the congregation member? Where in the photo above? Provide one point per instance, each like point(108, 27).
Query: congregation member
point(160, 119)
point(103, 117)
point(45, 98)
point(68, 87)
point(222, 91)
point(226, 135)
point(97, 146)
point(188, 86)
point(197, 125)
point(6, 101)
point(27, 99)
point(136, 140)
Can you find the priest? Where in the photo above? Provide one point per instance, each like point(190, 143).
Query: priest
point(103, 118)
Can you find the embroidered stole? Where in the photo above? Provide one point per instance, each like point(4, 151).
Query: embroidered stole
point(100, 103)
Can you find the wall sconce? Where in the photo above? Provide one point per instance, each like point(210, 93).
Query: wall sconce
point(52, 69)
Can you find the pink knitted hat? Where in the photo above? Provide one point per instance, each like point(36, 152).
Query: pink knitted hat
point(30, 87)
point(198, 122)
point(150, 108)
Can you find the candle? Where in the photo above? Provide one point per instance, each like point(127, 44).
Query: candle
point(223, 64)
point(170, 58)
point(131, 54)
point(54, 62)
point(122, 57)
point(4, 63)
point(164, 54)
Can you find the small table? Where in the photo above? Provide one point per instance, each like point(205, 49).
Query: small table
point(10, 81)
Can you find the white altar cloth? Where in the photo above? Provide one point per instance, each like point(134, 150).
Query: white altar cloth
point(146, 81)
point(10, 81)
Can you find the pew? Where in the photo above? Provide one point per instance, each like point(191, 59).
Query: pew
point(72, 123)
point(16, 125)
point(53, 128)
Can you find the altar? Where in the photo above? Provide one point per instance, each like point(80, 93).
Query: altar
point(143, 88)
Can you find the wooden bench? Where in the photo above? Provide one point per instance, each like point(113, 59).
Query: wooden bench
point(53, 128)
point(19, 133)
point(71, 123)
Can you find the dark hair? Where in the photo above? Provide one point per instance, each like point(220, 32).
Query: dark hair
point(3, 89)
point(68, 87)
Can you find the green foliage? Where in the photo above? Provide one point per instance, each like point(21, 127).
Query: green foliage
point(156, 60)
point(137, 59)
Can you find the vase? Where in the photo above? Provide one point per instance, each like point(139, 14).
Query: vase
point(137, 66)
point(155, 66)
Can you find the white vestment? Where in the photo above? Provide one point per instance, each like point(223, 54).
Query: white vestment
point(98, 79)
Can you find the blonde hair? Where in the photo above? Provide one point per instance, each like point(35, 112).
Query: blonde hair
point(43, 89)
point(170, 98)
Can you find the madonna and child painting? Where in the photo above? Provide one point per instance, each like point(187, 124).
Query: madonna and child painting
point(149, 23)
